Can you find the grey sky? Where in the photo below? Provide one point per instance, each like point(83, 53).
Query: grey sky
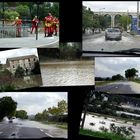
point(16, 52)
point(116, 6)
point(108, 66)
point(34, 102)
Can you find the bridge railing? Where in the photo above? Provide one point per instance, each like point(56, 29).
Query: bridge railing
point(9, 31)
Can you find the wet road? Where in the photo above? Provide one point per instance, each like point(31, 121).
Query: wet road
point(29, 129)
point(125, 87)
point(72, 73)
point(97, 42)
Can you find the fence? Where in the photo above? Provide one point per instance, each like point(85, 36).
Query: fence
point(9, 31)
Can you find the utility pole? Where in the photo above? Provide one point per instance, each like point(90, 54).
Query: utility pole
point(137, 15)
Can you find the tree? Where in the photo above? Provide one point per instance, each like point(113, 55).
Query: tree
point(10, 14)
point(62, 106)
point(23, 10)
point(19, 72)
point(125, 20)
point(117, 77)
point(36, 69)
point(22, 114)
point(7, 107)
point(131, 73)
point(87, 18)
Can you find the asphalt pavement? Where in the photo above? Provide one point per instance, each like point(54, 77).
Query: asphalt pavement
point(29, 129)
point(28, 42)
point(125, 87)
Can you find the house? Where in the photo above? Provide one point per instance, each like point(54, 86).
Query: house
point(26, 62)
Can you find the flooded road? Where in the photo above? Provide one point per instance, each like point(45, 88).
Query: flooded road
point(96, 120)
point(30, 129)
point(72, 73)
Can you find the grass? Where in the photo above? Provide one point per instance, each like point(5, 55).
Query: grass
point(136, 81)
point(57, 124)
point(102, 83)
point(106, 135)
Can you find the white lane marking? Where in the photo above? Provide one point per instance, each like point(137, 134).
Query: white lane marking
point(1, 133)
point(47, 133)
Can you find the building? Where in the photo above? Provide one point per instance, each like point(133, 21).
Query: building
point(26, 62)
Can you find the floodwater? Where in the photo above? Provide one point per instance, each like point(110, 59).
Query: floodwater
point(71, 73)
point(96, 120)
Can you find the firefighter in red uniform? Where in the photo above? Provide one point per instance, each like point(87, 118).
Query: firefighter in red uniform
point(35, 22)
point(18, 23)
point(48, 25)
point(55, 25)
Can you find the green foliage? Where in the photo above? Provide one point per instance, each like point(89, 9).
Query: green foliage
point(105, 135)
point(10, 14)
point(23, 10)
point(87, 18)
point(125, 20)
point(22, 114)
point(55, 111)
point(131, 73)
point(19, 72)
point(7, 107)
point(117, 77)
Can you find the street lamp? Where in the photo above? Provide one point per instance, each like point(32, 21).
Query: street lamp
point(3, 13)
point(38, 3)
point(137, 15)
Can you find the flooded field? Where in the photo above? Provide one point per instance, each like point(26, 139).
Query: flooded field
point(67, 73)
point(97, 121)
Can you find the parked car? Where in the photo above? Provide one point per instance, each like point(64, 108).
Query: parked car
point(113, 33)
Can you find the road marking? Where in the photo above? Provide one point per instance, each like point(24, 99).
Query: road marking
point(49, 135)
point(42, 45)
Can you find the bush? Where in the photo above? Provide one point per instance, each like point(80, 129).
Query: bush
point(10, 14)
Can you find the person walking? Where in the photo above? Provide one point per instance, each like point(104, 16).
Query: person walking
point(35, 22)
point(48, 25)
point(18, 23)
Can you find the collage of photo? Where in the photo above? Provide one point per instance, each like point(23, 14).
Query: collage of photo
point(54, 88)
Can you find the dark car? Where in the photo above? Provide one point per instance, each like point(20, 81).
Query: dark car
point(113, 33)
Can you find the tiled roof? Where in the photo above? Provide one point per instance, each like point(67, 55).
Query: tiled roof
point(22, 57)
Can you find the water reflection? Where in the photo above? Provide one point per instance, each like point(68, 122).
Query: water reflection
point(68, 73)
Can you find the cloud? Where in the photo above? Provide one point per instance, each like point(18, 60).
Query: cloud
point(17, 52)
point(108, 66)
point(116, 6)
point(34, 102)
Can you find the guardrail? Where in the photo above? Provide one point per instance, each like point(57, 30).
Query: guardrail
point(9, 31)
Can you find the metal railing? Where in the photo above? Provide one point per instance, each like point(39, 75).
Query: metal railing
point(9, 31)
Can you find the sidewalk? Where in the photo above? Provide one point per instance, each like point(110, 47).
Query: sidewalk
point(42, 42)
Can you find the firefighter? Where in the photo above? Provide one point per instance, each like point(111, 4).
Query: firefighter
point(55, 25)
point(48, 25)
point(35, 22)
point(18, 23)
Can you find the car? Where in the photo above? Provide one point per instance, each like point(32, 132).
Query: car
point(113, 33)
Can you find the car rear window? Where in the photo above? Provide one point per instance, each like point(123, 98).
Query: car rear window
point(113, 30)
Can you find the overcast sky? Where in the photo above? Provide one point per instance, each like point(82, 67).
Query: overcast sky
point(16, 52)
point(34, 102)
point(116, 6)
point(108, 66)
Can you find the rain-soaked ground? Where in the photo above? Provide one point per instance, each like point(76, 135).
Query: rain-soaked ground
point(51, 130)
point(98, 43)
point(68, 73)
point(97, 121)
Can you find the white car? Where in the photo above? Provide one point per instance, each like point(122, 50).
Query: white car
point(113, 33)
